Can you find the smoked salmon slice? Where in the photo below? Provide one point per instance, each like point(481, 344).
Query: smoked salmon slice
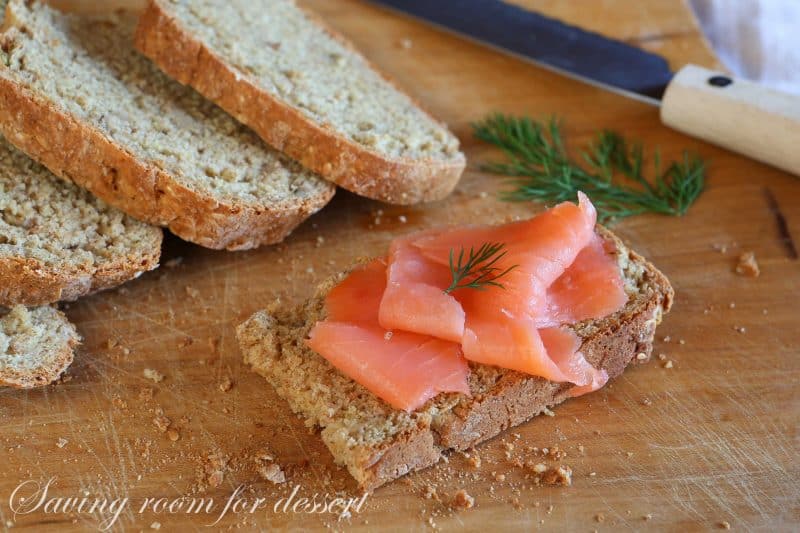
point(590, 288)
point(404, 369)
point(414, 299)
point(392, 328)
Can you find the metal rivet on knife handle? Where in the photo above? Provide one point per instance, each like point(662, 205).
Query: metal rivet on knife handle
point(719, 81)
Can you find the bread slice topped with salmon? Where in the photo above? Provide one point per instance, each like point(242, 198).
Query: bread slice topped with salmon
point(458, 334)
point(307, 92)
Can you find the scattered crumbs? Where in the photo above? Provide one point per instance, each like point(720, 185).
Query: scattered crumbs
point(647, 401)
point(406, 44)
point(600, 517)
point(667, 338)
point(430, 493)
point(740, 329)
point(483, 194)
point(747, 265)
point(499, 477)
point(581, 449)
point(474, 460)
point(320, 241)
point(721, 248)
point(641, 356)
point(629, 454)
point(681, 342)
point(648, 516)
point(153, 375)
point(155, 525)
point(550, 509)
point(550, 475)
point(725, 524)
point(546, 411)
point(174, 262)
point(764, 312)
point(388, 335)
point(272, 473)
point(463, 500)
point(732, 305)
point(112, 343)
point(226, 385)
point(668, 364)
point(173, 435)
point(592, 474)
point(402, 219)
point(213, 469)
point(192, 292)
point(310, 270)
point(662, 357)
point(62, 442)
point(162, 423)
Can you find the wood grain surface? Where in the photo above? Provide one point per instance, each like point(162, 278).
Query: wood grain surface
point(711, 441)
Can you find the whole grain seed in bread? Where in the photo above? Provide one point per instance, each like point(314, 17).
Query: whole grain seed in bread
point(306, 91)
point(75, 95)
point(36, 346)
point(58, 242)
point(378, 443)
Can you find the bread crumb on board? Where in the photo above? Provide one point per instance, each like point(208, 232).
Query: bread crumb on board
point(273, 473)
point(747, 265)
point(462, 500)
point(153, 375)
point(550, 475)
point(162, 423)
point(226, 384)
point(725, 524)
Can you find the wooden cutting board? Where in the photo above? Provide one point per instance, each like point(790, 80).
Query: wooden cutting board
point(714, 440)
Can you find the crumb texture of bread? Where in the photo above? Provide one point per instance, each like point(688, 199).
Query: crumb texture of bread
point(36, 346)
point(378, 443)
point(306, 91)
point(58, 242)
point(158, 150)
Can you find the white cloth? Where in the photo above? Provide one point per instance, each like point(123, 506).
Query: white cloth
point(756, 39)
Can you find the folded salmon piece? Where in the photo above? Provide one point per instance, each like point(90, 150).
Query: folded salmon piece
point(404, 369)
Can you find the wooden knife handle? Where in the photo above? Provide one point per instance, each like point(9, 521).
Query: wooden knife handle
point(739, 115)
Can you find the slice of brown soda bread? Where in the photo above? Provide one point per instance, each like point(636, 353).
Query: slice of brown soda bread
point(378, 443)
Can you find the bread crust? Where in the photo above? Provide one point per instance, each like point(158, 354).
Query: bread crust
point(82, 154)
point(45, 375)
point(346, 163)
point(29, 282)
point(611, 344)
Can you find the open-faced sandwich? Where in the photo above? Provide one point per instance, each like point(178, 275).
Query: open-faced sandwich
point(458, 334)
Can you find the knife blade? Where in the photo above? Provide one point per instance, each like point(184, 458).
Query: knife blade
point(739, 115)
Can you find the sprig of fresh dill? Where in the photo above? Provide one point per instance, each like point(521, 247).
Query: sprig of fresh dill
point(479, 270)
point(541, 169)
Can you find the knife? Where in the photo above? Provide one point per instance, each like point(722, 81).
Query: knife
point(739, 115)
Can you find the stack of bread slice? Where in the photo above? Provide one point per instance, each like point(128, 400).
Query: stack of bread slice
point(133, 147)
